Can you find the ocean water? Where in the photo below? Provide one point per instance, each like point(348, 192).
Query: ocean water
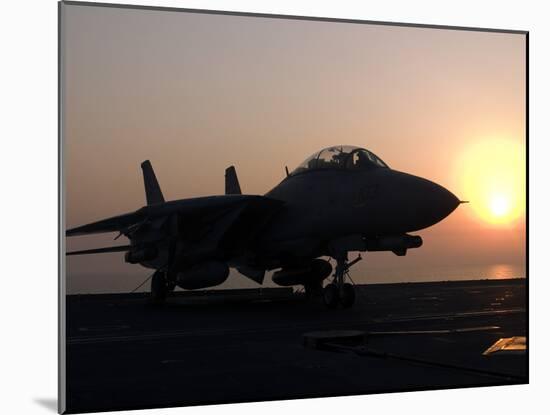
point(390, 274)
point(384, 274)
point(128, 279)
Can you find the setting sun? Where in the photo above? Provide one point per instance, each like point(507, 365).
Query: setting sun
point(500, 205)
point(492, 176)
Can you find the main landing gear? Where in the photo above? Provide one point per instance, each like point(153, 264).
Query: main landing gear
point(339, 292)
point(161, 286)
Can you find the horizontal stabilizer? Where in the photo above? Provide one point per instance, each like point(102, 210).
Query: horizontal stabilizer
point(123, 248)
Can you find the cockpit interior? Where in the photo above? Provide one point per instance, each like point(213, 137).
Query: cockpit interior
point(341, 157)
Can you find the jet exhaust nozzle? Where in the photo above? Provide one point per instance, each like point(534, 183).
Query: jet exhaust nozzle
point(142, 254)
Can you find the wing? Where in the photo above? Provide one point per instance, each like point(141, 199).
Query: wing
point(203, 207)
point(218, 226)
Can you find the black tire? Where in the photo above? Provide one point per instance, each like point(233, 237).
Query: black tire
point(159, 288)
point(347, 295)
point(331, 296)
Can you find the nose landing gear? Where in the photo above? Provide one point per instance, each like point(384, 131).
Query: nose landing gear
point(161, 286)
point(339, 292)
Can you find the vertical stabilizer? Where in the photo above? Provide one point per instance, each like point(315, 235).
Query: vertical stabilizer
point(153, 194)
point(232, 186)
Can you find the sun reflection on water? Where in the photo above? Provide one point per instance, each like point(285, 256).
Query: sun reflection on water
point(500, 271)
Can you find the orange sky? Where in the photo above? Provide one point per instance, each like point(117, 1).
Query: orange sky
point(195, 93)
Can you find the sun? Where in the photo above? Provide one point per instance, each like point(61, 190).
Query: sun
point(492, 176)
point(500, 205)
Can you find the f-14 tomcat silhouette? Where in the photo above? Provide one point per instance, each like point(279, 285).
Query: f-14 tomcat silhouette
point(340, 200)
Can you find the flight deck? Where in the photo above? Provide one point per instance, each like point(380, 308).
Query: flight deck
point(223, 346)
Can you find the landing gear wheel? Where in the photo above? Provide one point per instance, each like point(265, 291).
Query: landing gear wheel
point(159, 288)
point(331, 296)
point(347, 295)
point(338, 291)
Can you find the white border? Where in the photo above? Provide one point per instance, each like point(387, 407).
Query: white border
point(29, 201)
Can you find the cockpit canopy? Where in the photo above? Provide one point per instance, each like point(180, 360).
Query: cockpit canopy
point(341, 157)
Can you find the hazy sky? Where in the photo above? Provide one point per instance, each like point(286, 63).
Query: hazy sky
point(196, 93)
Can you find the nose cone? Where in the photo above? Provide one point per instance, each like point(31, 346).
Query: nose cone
point(438, 202)
point(424, 203)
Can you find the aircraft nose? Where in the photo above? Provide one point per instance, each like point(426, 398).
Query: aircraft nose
point(442, 201)
point(427, 202)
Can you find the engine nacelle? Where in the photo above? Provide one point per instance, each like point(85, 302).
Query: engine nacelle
point(142, 254)
point(397, 244)
point(203, 275)
point(316, 271)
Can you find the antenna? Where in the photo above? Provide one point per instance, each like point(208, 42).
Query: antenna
point(287, 173)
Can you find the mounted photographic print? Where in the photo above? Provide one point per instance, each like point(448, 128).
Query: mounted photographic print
point(263, 207)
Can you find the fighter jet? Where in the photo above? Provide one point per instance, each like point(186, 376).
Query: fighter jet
point(340, 200)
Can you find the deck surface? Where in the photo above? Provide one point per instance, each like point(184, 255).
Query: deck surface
point(248, 345)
